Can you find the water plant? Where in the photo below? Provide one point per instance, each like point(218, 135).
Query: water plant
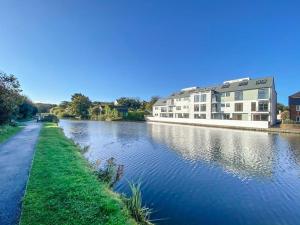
point(135, 206)
point(111, 173)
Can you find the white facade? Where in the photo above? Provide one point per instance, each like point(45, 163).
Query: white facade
point(243, 102)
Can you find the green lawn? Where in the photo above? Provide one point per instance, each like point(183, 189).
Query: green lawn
point(62, 188)
point(7, 131)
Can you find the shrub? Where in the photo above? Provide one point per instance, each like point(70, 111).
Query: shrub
point(111, 173)
point(44, 117)
point(135, 116)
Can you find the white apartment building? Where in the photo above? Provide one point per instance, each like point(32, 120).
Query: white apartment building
point(243, 102)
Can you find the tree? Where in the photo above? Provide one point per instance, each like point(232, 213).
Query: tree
point(10, 97)
point(131, 103)
point(80, 105)
point(27, 108)
point(285, 115)
point(95, 112)
point(281, 107)
point(44, 107)
point(150, 104)
point(64, 104)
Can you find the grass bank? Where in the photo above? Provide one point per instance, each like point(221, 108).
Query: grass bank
point(6, 131)
point(62, 188)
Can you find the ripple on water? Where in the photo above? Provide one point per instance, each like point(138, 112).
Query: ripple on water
point(195, 175)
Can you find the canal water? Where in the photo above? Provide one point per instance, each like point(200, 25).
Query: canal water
point(196, 175)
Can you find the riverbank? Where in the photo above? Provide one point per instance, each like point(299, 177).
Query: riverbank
point(62, 188)
point(7, 131)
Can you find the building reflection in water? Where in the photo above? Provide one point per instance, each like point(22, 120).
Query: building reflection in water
point(244, 153)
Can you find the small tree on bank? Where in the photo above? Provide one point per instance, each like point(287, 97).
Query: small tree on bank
point(10, 97)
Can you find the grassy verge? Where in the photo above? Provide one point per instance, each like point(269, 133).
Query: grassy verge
point(62, 189)
point(7, 131)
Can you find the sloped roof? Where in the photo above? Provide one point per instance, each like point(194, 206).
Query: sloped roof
point(161, 102)
point(266, 82)
point(296, 95)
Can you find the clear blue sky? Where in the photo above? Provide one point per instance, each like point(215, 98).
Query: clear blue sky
point(108, 49)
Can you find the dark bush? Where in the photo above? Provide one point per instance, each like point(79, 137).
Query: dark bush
point(48, 118)
point(135, 116)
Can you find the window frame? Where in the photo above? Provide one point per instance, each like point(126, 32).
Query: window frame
point(239, 97)
point(265, 95)
point(263, 109)
point(236, 109)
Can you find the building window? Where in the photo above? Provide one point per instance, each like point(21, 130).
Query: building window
point(163, 109)
point(261, 117)
point(238, 107)
point(179, 115)
point(196, 108)
point(156, 108)
point(186, 115)
point(253, 106)
point(203, 98)
point(196, 98)
point(196, 116)
point(202, 116)
point(263, 106)
point(298, 108)
point(227, 94)
point(227, 105)
point(203, 107)
point(186, 99)
point(298, 119)
point(170, 109)
point(222, 105)
point(178, 107)
point(263, 93)
point(226, 116)
point(238, 95)
point(237, 116)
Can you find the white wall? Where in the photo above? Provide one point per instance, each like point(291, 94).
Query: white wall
point(229, 123)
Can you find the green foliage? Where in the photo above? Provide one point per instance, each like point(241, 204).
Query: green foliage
point(27, 109)
point(95, 112)
point(135, 116)
point(80, 105)
point(44, 107)
point(7, 131)
point(149, 105)
point(134, 204)
point(281, 107)
point(62, 188)
point(111, 173)
point(61, 112)
point(10, 97)
point(46, 117)
point(130, 103)
point(110, 114)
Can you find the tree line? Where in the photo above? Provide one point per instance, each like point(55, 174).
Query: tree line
point(13, 104)
point(81, 107)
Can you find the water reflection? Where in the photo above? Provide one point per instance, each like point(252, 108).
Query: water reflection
point(196, 175)
point(243, 153)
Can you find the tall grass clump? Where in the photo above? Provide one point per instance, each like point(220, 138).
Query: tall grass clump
point(135, 206)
